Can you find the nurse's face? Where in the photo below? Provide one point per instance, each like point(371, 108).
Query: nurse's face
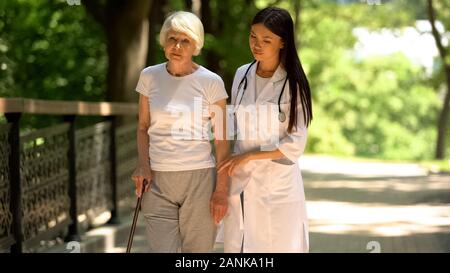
point(264, 44)
point(179, 47)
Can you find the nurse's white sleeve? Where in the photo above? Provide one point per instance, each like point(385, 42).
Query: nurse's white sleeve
point(293, 144)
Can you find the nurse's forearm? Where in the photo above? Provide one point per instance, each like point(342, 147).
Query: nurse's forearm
point(222, 152)
point(256, 155)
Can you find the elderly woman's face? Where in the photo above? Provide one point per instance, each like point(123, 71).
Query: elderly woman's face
point(179, 47)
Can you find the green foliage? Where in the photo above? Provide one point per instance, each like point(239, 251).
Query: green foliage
point(51, 50)
point(383, 107)
point(334, 143)
point(380, 107)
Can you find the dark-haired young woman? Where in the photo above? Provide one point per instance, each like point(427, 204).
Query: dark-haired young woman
point(272, 103)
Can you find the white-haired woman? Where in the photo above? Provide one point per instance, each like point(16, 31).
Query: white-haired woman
point(186, 198)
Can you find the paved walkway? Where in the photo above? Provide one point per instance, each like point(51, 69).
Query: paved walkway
point(356, 207)
point(364, 207)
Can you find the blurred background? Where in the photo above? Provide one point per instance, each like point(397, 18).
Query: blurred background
point(379, 82)
point(379, 71)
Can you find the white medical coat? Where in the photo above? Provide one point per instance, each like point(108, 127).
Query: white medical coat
point(273, 215)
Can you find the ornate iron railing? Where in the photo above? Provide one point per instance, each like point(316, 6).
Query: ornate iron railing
point(94, 194)
point(44, 183)
point(126, 162)
point(56, 181)
point(6, 236)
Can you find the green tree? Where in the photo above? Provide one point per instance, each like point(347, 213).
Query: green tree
point(126, 25)
point(50, 50)
point(443, 7)
point(378, 107)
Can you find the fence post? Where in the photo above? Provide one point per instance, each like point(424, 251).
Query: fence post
point(113, 159)
point(14, 175)
point(72, 156)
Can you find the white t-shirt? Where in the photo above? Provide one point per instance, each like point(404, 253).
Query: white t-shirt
point(180, 115)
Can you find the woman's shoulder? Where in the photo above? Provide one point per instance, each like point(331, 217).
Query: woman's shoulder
point(243, 68)
point(153, 69)
point(206, 74)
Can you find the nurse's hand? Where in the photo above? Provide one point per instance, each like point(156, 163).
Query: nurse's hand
point(232, 163)
point(218, 206)
point(139, 175)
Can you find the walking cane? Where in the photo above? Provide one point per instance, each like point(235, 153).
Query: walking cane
point(135, 217)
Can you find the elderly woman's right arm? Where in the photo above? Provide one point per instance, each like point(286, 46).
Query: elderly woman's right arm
point(219, 198)
point(143, 169)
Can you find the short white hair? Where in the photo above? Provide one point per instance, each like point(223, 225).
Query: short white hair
point(187, 23)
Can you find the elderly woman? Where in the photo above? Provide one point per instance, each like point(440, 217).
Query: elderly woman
point(183, 202)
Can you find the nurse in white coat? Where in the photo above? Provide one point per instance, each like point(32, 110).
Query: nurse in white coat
point(272, 98)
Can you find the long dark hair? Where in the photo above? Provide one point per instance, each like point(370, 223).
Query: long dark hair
point(279, 21)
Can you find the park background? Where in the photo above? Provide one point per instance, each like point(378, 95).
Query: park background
point(379, 70)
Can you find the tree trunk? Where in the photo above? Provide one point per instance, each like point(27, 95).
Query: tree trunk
point(215, 25)
point(127, 29)
point(443, 116)
point(188, 4)
point(443, 122)
point(156, 17)
point(297, 26)
point(193, 6)
point(211, 27)
point(126, 25)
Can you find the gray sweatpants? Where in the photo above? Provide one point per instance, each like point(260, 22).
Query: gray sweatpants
point(176, 210)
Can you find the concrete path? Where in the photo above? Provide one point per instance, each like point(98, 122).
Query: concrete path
point(352, 207)
point(367, 206)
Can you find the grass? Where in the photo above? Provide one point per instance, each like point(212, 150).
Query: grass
point(436, 166)
point(433, 166)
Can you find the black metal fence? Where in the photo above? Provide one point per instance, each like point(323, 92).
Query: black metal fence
point(6, 236)
point(56, 181)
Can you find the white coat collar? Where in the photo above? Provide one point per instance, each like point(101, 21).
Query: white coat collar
point(267, 93)
point(280, 73)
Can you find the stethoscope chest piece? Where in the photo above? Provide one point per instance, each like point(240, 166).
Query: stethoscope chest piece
point(281, 117)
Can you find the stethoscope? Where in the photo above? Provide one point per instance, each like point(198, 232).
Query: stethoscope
point(281, 114)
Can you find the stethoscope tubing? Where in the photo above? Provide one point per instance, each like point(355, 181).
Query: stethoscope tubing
point(281, 115)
